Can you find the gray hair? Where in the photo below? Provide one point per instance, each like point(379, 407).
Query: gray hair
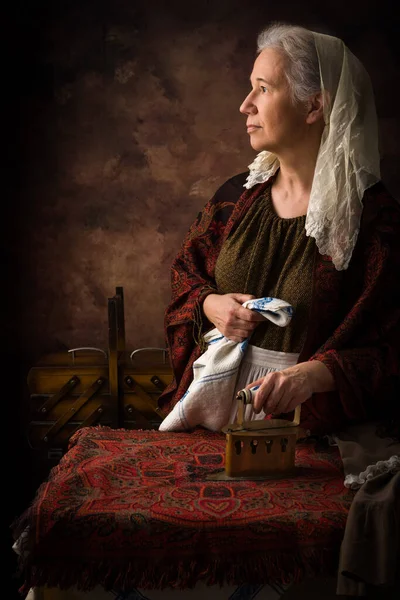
point(297, 46)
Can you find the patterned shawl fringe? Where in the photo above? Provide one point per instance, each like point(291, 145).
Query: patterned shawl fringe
point(28, 517)
point(259, 568)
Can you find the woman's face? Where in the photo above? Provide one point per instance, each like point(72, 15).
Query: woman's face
point(274, 123)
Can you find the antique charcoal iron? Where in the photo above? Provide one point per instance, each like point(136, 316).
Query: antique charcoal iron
point(261, 449)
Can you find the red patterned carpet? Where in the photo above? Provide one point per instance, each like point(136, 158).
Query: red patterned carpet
point(135, 508)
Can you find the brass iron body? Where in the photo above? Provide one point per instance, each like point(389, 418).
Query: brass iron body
point(260, 449)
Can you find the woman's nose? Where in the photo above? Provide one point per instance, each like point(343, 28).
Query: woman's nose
point(247, 107)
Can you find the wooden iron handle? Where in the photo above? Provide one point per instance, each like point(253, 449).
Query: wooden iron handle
point(245, 396)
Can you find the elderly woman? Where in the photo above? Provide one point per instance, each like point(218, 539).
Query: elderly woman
point(312, 225)
point(315, 227)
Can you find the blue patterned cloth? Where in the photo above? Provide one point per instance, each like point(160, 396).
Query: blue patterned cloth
point(208, 400)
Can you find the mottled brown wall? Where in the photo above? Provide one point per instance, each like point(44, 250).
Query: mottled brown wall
point(128, 123)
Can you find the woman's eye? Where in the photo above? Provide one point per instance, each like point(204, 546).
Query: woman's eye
point(263, 89)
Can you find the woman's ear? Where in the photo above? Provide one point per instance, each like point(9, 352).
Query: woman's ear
point(315, 109)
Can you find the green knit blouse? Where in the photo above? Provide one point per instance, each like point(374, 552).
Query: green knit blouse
point(267, 255)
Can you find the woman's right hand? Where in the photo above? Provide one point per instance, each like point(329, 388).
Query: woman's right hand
point(229, 316)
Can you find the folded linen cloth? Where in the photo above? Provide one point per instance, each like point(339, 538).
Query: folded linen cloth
point(365, 454)
point(370, 551)
point(208, 400)
point(369, 560)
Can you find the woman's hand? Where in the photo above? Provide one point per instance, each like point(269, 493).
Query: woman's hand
point(229, 316)
point(282, 391)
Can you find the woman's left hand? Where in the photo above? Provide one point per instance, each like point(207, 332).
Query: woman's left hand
point(282, 391)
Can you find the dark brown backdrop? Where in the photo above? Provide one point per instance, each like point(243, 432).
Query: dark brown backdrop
point(128, 123)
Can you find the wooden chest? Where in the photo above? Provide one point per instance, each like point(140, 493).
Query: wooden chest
point(90, 386)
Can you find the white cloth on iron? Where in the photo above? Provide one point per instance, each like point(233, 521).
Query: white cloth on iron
point(208, 400)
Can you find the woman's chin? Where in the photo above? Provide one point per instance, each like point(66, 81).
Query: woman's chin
point(258, 145)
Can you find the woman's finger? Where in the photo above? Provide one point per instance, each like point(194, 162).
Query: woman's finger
point(237, 332)
point(255, 383)
point(275, 401)
point(247, 325)
point(287, 404)
point(263, 393)
point(245, 314)
point(275, 394)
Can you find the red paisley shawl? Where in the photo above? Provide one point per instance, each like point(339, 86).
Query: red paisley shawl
point(354, 324)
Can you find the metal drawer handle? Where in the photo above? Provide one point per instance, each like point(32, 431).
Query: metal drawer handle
point(73, 350)
point(164, 350)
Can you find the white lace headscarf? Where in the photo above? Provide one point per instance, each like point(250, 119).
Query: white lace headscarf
point(348, 160)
